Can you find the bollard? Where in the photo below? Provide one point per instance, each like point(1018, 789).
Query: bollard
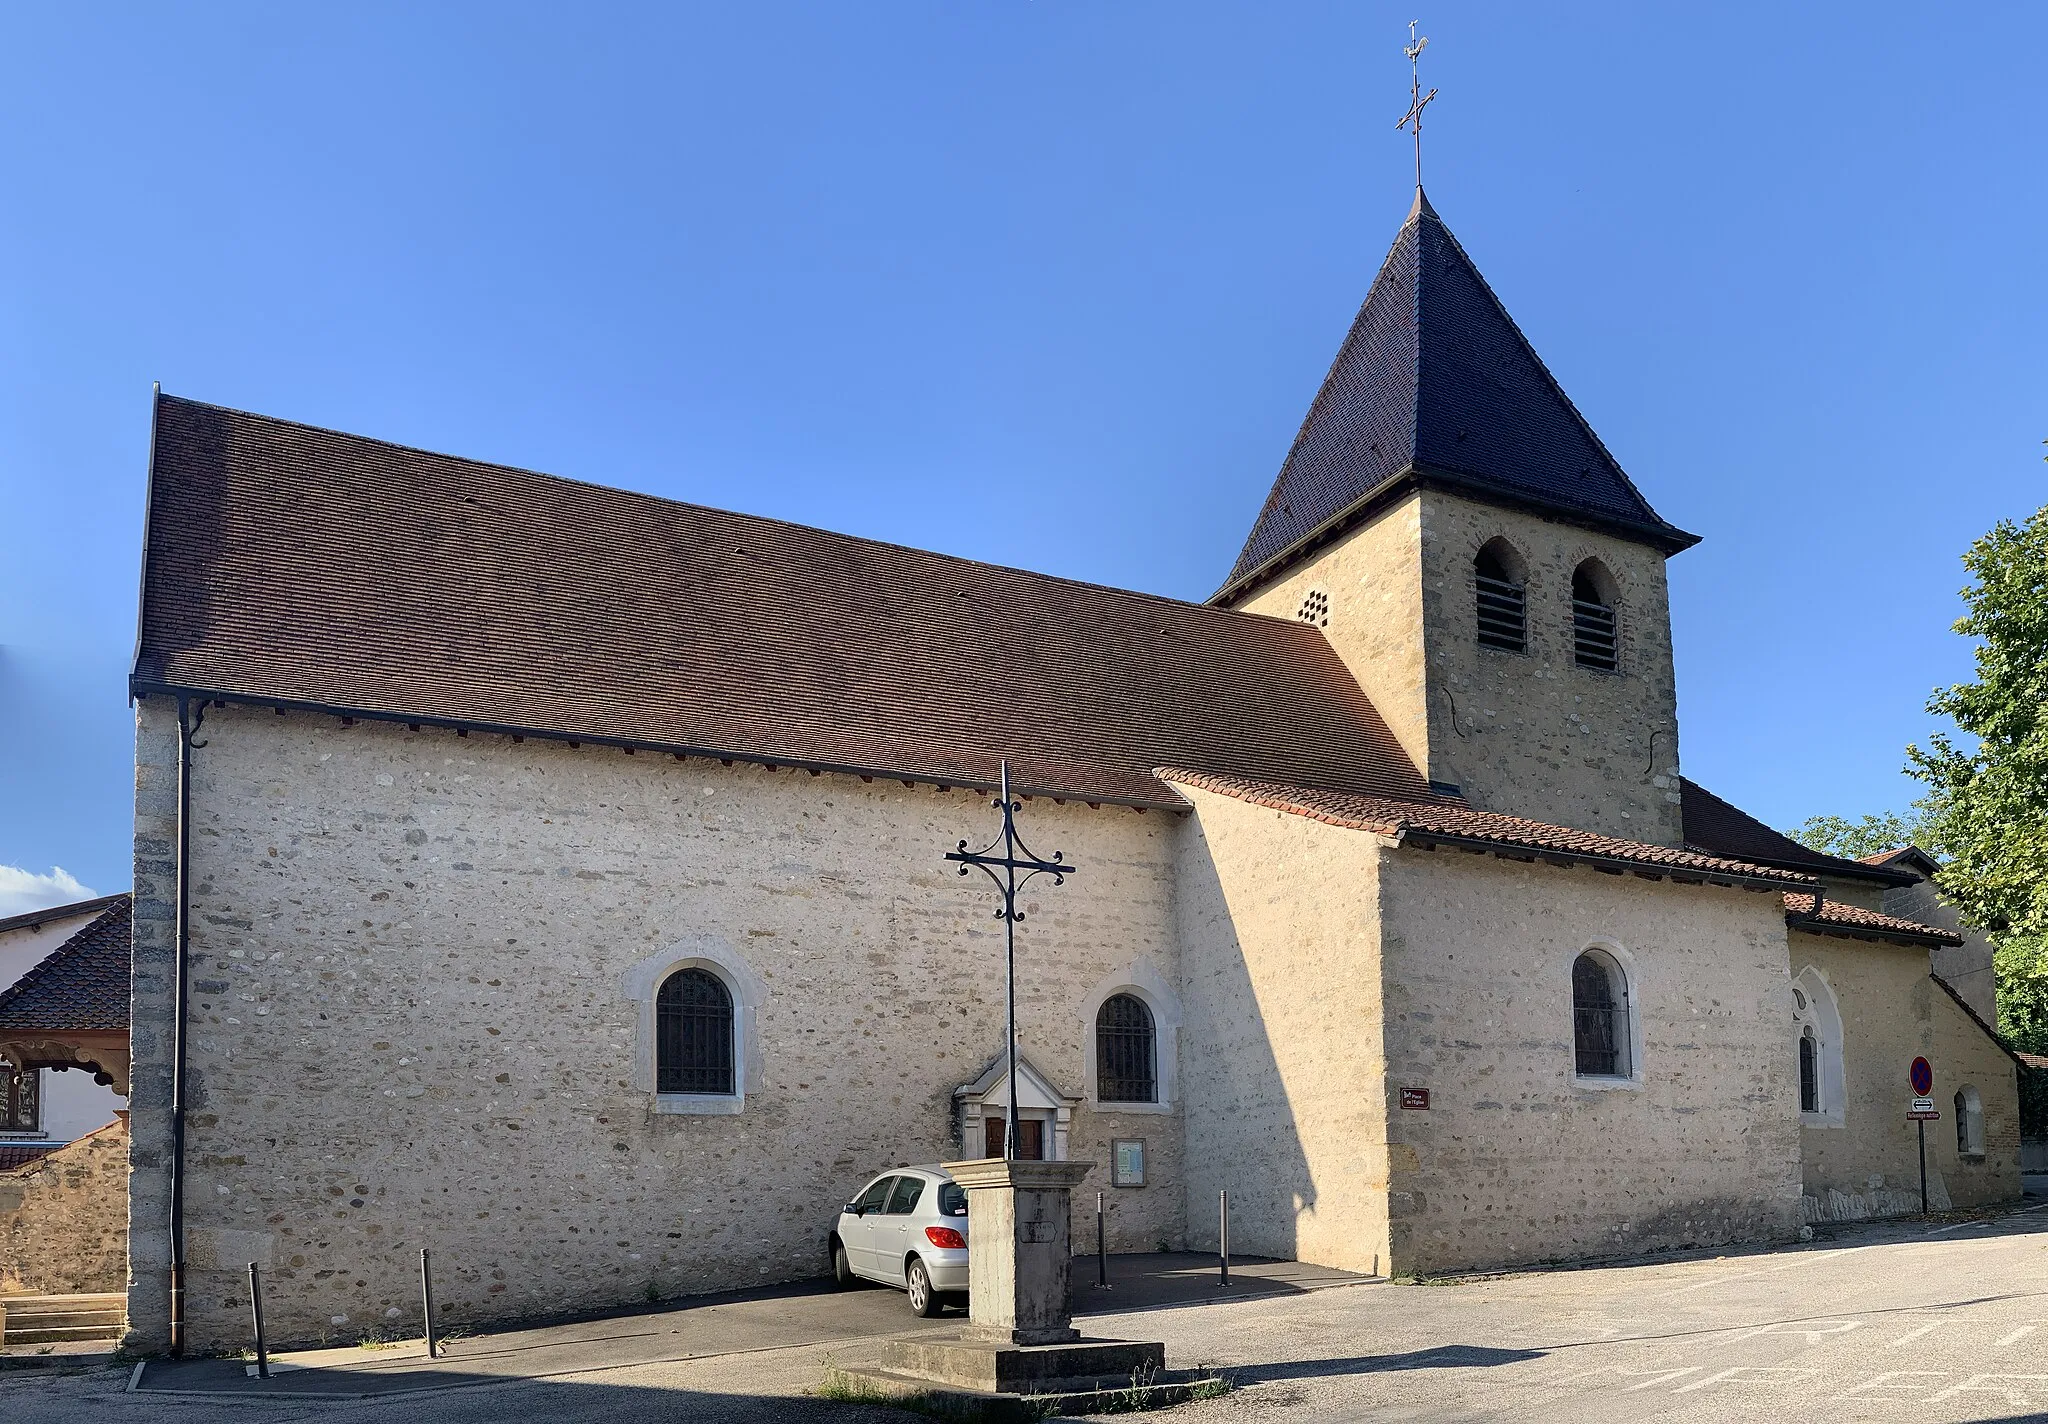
point(1101, 1248)
point(427, 1302)
point(1223, 1239)
point(256, 1310)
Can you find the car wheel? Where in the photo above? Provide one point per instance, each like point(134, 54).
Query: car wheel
point(924, 1301)
point(842, 1269)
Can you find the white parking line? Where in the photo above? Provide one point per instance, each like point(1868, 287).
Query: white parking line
point(2013, 1339)
point(1912, 1335)
point(1972, 1386)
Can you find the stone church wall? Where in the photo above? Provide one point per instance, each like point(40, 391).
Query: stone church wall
point(1517, 1160)
point(1286, 1106)
point(1892, 1012)
point(64, 1218)
point(410, 1024)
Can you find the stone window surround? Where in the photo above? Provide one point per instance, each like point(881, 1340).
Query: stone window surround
point(1971, 1121)
point(1142, 982)
point(1823, 1013)
point(1632, 1081)
point(643, 981)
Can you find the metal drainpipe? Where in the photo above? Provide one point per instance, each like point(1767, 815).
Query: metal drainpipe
point(188, 724)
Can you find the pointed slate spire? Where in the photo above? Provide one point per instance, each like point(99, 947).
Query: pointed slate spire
point(1436, 385)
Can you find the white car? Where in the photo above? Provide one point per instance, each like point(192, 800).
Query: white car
point(908, 1229)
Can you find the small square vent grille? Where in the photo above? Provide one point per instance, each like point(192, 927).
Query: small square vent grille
point(1315, 608)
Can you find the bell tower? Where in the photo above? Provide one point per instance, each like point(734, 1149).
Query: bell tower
point(1480, 561)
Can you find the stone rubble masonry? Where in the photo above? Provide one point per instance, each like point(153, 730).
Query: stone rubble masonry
point(408, 1025)
point(1892, 1012)
point(64, 1218)
point(1967, 966)
point(1517, 1159)
point(1530, 734)
point(1281, 1054)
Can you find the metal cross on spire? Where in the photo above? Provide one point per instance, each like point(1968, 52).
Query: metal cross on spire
point(1417, 100)
point(1000, 860)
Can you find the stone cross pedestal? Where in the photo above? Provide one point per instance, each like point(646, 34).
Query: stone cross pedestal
point(1019, 1337)
point(1019, 1260)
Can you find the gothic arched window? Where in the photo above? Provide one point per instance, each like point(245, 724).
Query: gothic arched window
point(1125, 1057)
point(1595, 640)
point(1503, 606)
point(693, 1034)
point(1600, 1031)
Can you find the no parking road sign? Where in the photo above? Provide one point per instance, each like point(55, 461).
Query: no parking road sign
point(1923, 1078)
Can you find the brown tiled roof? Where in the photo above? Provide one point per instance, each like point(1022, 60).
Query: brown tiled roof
point(32, 918)
point(16, 1155)
point(1716, 827)
point(296, 566)
point(1852, 919)
point(81, 986)
point(1905, 857)
point(2032, 1060)
point(1442, 823)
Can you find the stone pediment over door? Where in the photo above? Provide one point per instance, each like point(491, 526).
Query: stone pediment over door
point(1038, 1099)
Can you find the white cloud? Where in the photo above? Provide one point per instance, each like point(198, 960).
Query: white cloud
point(24, 890)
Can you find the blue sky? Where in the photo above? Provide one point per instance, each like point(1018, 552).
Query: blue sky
point(1045, 284)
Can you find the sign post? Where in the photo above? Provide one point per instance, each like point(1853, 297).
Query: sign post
point(1920, 1112)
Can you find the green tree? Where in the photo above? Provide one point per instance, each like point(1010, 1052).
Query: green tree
point(1987, 801)
point(1871, 835)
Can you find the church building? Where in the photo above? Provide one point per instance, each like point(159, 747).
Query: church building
point(552, 876)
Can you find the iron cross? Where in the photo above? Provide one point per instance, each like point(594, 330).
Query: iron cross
point(1417, 100)
point(1002, 869)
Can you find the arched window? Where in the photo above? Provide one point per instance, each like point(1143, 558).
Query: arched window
point(1125, 1061)
point(693, 1035)
point(1817, 1032)
point(1600, 1029)
point(1594, 639)
point(1809, 1069)
point(1497, 575)
point(1969, 1123)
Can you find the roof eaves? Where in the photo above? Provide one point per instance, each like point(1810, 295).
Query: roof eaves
point(1643, 868)
point(1667, 539)
point(1169, 802)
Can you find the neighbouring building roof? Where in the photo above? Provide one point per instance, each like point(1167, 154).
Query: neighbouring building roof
point(35, 918)
point(1838, 918)
point(1435, 384)
point(81, 986)
point(1445, 824)
point(1909, 857)
point(16, 1155)
point(293, 566)
point(1714, 826)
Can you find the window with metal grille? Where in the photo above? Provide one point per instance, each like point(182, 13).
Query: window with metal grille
point(693, 1035)
point(1503, 606)
point(1809, 1072)
point(1594, 640)
point(1124, 1071)
point(1599, 1017)
point(20, 1110)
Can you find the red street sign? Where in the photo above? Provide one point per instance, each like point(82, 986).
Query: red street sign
point(1923, 1078)
point(1415, 1099)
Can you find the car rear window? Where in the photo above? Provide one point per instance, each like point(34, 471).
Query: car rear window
point(903, 1200)
point(952, 1199)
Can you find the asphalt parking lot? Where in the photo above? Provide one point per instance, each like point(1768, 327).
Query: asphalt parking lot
point(1943, 1322)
